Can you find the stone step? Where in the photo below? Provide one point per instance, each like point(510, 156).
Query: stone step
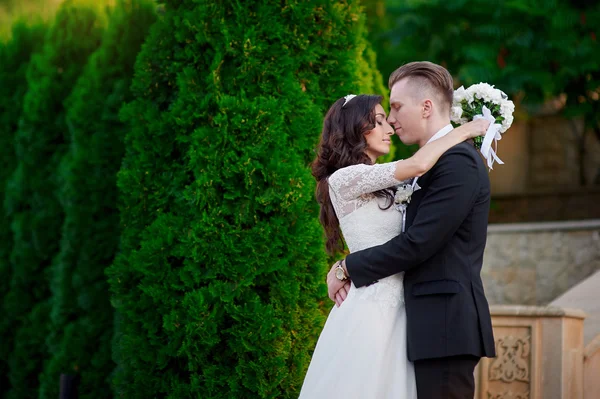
point(584, 296)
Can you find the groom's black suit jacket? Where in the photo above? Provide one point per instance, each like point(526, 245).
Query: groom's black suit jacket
point(441, 252)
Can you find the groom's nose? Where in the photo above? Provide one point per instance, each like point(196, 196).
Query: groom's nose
point(391, 120)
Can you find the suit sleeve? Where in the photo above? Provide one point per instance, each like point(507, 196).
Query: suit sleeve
point(452, 191)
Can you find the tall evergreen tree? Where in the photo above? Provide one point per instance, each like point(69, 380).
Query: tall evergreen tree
point(15, 55)
point(82, 316)
point(31, 197)
point(222, 261)
point(377, 54)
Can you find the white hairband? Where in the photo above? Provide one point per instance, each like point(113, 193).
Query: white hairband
point(348, 98)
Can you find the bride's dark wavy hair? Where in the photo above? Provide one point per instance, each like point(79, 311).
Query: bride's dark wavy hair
point(343, 144)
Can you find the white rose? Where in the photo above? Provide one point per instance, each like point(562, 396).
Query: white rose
point(507, 108)
point(506, 123)
point(485, 92)
point(456, 113)
point(460, 94)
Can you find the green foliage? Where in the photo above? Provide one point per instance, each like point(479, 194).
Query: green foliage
point(476, 108)
point(529, 46)
point(14, 59)
point(378, 23)
point(222, 264)
point(31, 191)
point(81, 315)
point(370, 80)
point(531, 49)
point(583, 74)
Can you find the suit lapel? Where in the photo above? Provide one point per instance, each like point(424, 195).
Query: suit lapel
point(415, 200)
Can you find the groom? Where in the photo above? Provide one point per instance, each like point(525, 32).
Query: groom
point(441, 251)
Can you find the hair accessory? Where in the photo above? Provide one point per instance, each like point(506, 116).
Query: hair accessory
point(348, 98)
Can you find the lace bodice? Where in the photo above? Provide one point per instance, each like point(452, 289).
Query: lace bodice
point(364, 224)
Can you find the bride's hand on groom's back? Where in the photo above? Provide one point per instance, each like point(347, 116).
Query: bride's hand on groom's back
point(337, 290)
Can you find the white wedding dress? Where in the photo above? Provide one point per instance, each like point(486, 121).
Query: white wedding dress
point(361, 353)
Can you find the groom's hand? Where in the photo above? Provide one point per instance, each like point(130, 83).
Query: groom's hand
point(337, 290)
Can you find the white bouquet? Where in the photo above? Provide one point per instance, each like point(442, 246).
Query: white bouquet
point(484, 101)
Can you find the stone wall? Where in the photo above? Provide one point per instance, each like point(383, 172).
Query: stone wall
point(585, 296)
point(532, 264)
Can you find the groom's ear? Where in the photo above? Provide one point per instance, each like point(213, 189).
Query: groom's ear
point(426, 108)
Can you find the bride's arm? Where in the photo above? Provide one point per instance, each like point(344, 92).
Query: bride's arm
point(351, 182)
point(428, 155)
point(453, 189)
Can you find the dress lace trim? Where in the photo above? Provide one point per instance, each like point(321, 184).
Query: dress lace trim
point(351, 188)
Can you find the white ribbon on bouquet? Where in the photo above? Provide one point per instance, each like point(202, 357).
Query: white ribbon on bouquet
point(492, 135)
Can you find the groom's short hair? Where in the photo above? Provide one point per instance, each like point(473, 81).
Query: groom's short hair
point(427, 77)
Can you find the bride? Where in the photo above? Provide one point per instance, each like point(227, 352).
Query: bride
point(361, 352)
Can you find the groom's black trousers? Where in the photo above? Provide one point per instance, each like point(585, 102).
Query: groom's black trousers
point(446, 377)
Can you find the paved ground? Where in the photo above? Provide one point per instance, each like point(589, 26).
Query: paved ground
point(584, 296)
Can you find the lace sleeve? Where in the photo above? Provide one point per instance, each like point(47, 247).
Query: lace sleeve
point(353, 181)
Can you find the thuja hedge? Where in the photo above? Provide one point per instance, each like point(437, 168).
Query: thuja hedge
point(81, 326)
point(221, 264)
point(31, 195)
point(15, 55)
